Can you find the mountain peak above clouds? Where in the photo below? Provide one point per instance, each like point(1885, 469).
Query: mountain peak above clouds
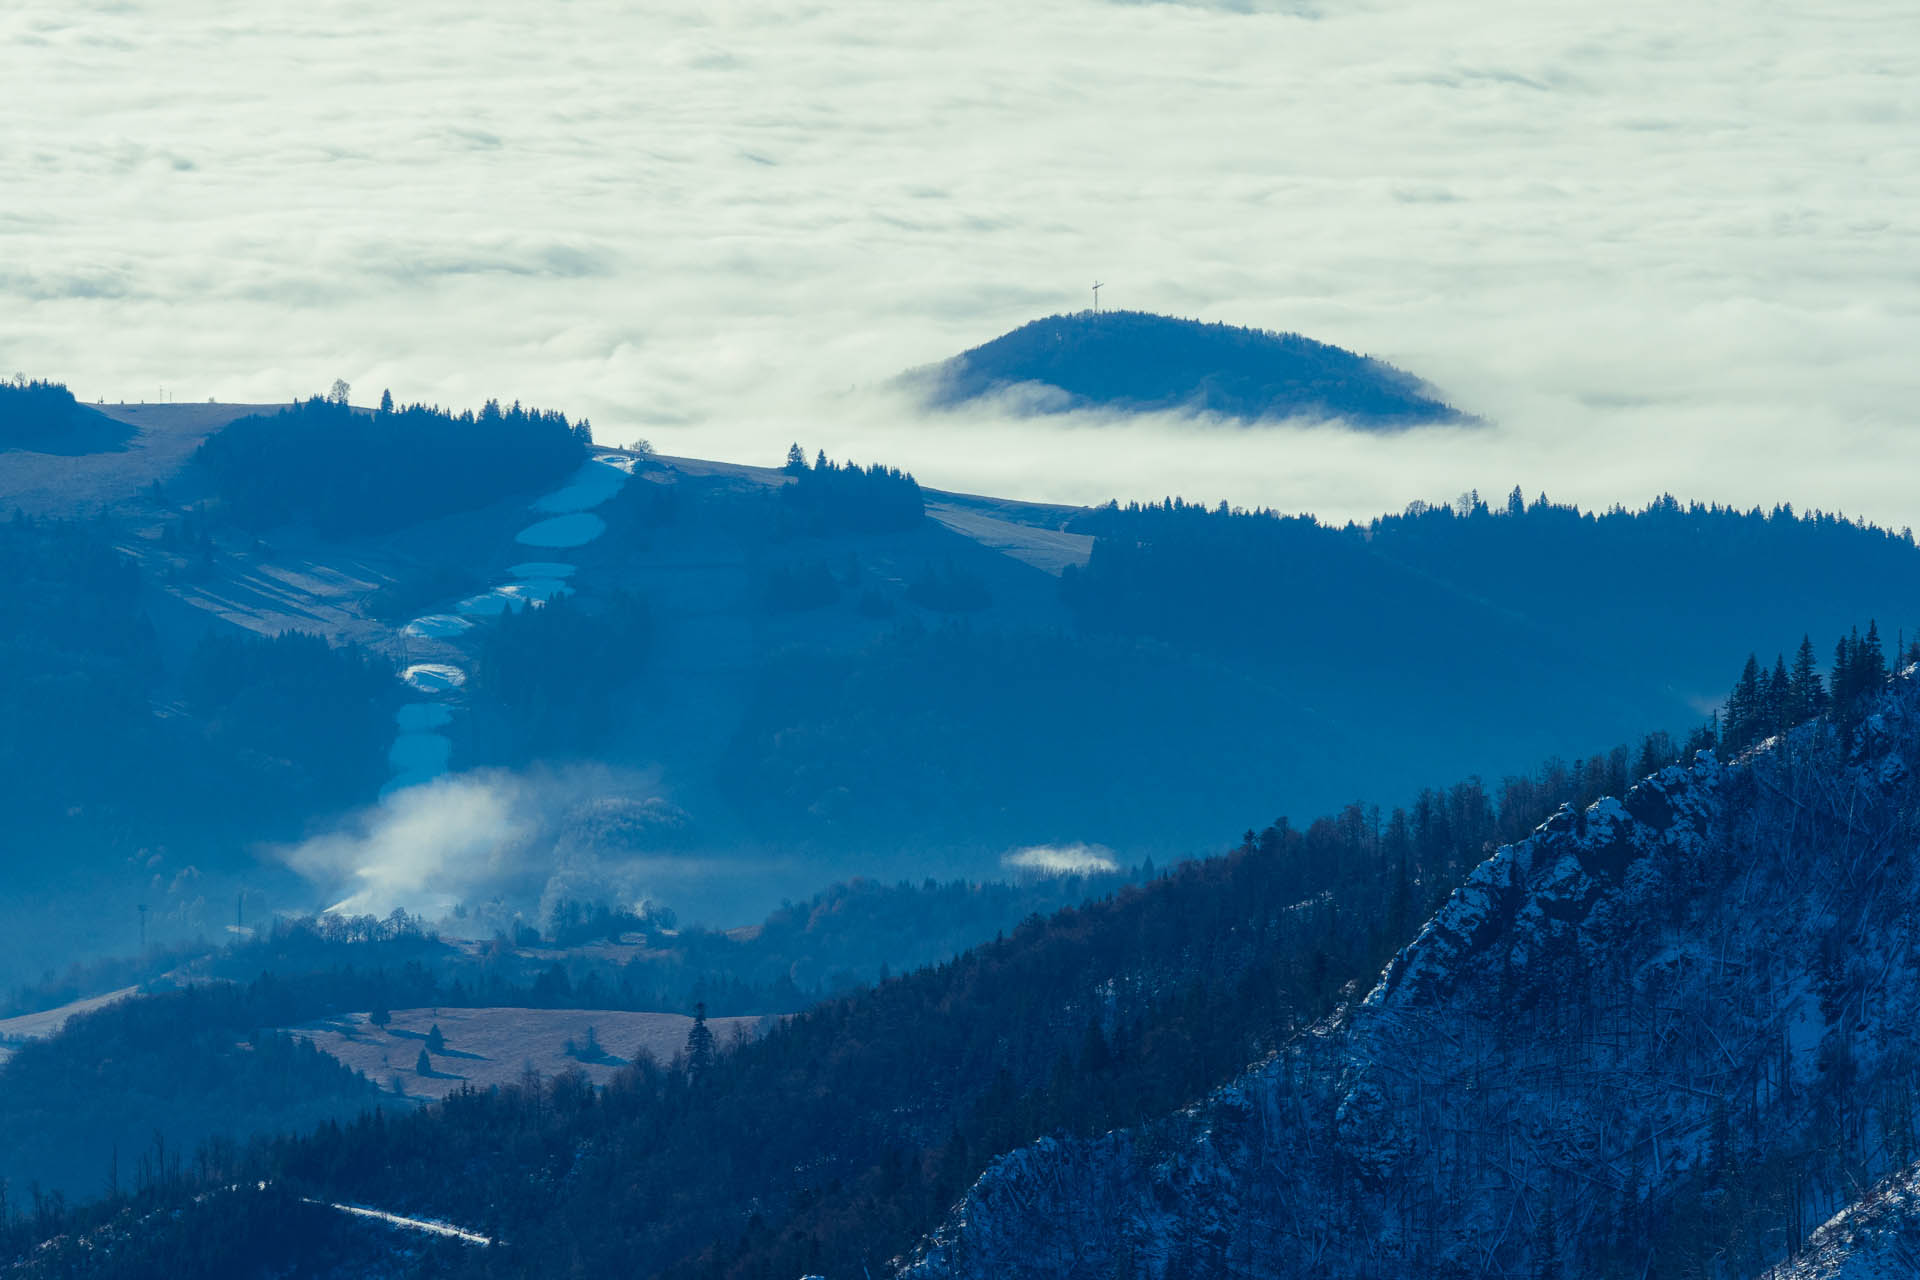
point(1139, 362)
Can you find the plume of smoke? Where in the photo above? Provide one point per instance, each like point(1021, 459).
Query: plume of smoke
point(1061, 859)
point(423, 848)
point(505, 846)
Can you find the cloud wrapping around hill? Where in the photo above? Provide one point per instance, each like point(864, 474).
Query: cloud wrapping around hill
point(1660, 247)
point(1061, 859)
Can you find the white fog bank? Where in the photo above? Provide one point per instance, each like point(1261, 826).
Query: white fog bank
point(1657, 246)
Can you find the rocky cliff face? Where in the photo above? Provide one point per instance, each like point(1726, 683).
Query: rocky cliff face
point(1666, 1035)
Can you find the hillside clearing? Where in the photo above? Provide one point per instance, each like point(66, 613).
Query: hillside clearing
point(488, 1047)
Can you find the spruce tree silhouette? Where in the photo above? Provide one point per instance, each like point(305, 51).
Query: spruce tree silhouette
point(700, 1052)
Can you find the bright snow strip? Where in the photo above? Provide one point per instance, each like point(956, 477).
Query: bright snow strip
point(418, 717)
point(591, 485)
point(542, 569)
point(420, 753)
point(437, 626)
point(575, 530)
point(411, 1224)
point(488, 604)
point(538, 590)
point(434, 677)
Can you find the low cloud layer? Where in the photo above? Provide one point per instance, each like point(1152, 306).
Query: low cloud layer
point(1061, 859)
point(1658, 247)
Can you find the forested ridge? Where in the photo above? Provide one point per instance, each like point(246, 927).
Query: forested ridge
point(1661, 1037)
point(36, 412)
point(134, 1095)
point(1287, 586)
point(62, 1131)
point(83, 750)
point(42, 416)
point(834, 497)
point(844, 1134)
point(349, 471)
point(78, 662)
point(1471, 610)
point(904, 742)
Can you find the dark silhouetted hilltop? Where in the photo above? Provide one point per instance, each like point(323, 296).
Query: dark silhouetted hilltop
point(43, 417)
point(1136, 361)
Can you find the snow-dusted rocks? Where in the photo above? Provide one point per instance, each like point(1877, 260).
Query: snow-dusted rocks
point(1564, 884)
point(1875, 1238)
point(1718, 971)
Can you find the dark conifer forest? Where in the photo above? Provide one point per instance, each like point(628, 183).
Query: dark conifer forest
point(851, 1127)
point(1602, 588)
point(300, 713)
point(36, 414)
point(278, 723)
point(834, 497)
point(77, 662)
point(1259, 651)
point(347, 471)
point(544, 683)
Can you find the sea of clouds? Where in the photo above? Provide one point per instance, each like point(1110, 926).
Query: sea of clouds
point(1659, 247)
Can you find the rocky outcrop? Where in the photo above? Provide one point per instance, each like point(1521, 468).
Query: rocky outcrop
point(1676, 1021)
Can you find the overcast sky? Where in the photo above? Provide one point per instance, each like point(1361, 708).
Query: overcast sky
point(1659, 246)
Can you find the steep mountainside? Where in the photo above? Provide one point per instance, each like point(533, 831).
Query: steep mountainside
point(1663, 1034)
point(1136, 362)
point(1876, 1238)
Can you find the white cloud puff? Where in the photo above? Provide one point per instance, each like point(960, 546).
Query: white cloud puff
point(1062, 859)
point(1658, 246)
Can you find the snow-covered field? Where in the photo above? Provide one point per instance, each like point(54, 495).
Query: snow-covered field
point(1049, 550)
point(574, 530)
point(534, 569)
point(438, 626)
point(420, 753)
point(495, 1046)
point(434, 677)
point(597, 480)
point(418, 717)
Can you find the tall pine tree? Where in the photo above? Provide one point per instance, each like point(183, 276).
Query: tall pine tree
point(700, 1050)
point(1807, 697)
